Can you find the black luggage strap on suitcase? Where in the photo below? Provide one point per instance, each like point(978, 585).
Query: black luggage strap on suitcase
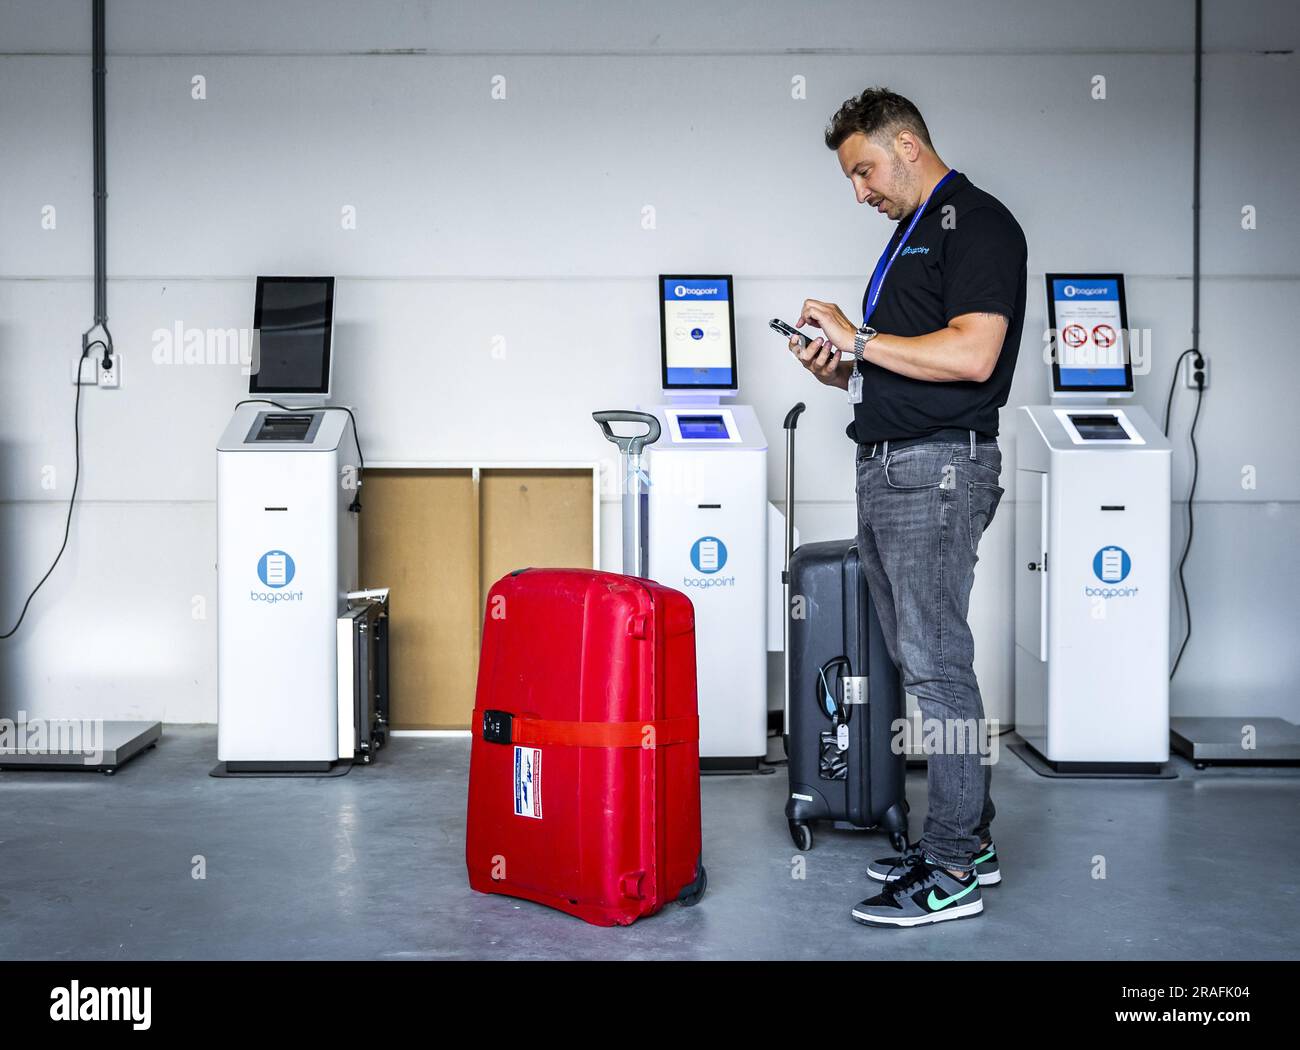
point(501, 727)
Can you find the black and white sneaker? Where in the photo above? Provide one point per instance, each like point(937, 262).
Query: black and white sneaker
point(986, 865)
point(886, 869)
point(925, 893)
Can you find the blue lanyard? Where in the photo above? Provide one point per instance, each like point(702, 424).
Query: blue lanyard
point(881, 271)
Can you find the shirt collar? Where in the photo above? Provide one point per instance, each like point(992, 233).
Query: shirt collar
point(956, 182)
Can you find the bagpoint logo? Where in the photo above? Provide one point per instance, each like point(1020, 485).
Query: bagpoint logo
point(1111, 565)
point(709, 555)
point(276, 570)
point(681, 290)
point(1071, 291)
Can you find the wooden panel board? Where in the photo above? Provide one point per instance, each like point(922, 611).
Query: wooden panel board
point(440, 538)
point(534, 517)
point(419, 536)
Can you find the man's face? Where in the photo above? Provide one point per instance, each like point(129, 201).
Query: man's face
point(881, 177)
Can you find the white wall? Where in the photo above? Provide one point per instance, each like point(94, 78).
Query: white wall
point(522, 219)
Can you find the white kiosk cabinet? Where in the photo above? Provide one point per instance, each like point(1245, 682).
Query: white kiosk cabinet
point(707, 537)
point(286, 559)
point(1092, 587)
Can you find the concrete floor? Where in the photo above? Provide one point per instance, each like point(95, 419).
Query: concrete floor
point(371, 865)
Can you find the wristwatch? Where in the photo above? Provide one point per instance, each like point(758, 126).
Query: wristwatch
point(861, 338)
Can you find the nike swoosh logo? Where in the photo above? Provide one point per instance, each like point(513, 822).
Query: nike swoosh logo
point(936, 904)
point(981, 860)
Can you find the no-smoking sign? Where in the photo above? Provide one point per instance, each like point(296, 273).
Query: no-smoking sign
point(1075, 334)
point(1104, 336)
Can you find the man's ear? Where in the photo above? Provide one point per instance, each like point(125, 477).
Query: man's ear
point(908, 146)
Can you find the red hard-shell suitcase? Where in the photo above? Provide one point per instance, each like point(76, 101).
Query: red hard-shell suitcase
point(584, 786)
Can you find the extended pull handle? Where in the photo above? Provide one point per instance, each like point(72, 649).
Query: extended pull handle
point(636, 510)
point(791, 421)
point(630, 445)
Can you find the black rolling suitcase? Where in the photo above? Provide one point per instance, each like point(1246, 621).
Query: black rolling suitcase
point(843, 693)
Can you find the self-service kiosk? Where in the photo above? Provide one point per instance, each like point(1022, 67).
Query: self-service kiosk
point(707, 532)
point(1092, 549)
point(302, 657)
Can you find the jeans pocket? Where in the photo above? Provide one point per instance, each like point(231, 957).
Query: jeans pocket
point(921, 467)
point(984, 499)
point(987, 464)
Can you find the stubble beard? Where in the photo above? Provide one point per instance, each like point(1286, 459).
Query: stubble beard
point(903, 188)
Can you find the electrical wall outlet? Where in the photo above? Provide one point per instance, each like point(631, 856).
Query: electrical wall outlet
point(1190, 370)
point(110, 378)
point(89, 371)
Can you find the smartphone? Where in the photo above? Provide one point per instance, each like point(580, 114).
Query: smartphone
point(777, 325)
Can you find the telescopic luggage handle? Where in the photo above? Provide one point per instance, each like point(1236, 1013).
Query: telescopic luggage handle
point(635, 510)
point(631, 445)
point(791, 421)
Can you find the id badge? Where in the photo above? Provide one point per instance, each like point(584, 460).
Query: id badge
point(855, 388)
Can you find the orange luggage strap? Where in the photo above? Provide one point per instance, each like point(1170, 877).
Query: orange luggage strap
point(650, 733)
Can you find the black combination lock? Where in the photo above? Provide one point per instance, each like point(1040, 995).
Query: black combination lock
point(496, 726)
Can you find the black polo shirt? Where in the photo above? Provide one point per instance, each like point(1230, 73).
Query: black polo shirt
point(966, 255)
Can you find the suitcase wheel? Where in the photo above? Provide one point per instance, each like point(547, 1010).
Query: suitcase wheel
point(690, 895)
point(899, 841)
point(802, 835)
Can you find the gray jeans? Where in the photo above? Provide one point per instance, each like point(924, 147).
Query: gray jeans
point(921, 511)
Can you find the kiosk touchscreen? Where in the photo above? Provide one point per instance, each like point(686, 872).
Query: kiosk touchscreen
point(293, 322)
point(1087, 318)
point(697, 333)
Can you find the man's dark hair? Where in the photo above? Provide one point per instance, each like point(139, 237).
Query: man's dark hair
point(878, 113)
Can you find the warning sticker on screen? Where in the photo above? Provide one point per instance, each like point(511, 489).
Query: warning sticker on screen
point(528, 782)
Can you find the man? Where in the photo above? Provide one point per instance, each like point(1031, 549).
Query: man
point(926, 373)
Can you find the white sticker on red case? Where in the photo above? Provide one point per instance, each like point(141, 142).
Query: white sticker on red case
point(528, 782)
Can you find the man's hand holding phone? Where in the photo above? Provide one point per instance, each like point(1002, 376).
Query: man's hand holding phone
point(817, 355)
point(822, 360)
